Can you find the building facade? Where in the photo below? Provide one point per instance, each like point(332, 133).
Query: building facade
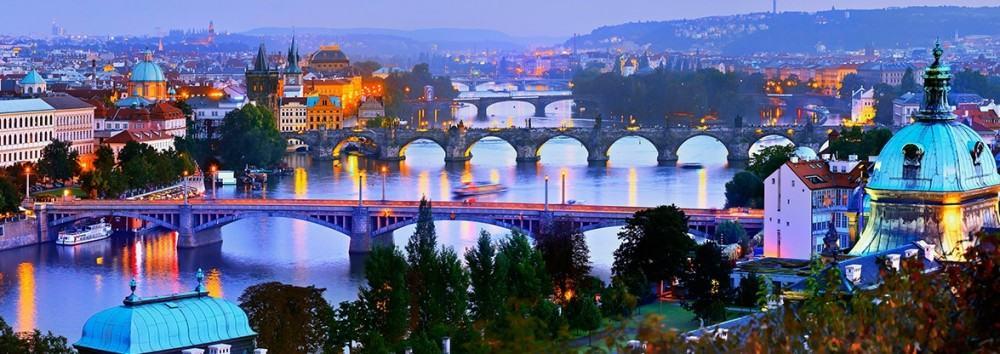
point(292, 114)
point(802, 200)
point(26, 127)
point(73, 122)
point(263, 82)
point(863, 106)
point(147, 80)
point(324, 112)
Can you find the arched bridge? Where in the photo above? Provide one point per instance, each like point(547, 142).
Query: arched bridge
point(539, 99)
point(457, 142)
point(198, 221)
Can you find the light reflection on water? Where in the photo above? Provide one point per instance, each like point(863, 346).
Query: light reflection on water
point(58, 288)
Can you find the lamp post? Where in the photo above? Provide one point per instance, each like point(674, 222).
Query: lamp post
point(185, 189)
point(546, 193)
point(27, 182)
point(564, 188)
point(360, 196)
point(383, 182)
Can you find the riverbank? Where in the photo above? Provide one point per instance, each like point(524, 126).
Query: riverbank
point(18, 232)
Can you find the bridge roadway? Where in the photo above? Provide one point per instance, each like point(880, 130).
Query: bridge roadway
point(457, 143)
point(198, 221)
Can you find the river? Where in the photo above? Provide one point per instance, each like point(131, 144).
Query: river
point(57, 288)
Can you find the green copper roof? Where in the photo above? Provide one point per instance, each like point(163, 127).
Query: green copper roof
point(165, 323)
point(936, 153)
point(33, 78)
point(147, 71)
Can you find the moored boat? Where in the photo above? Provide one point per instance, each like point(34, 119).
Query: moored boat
point(93, 232)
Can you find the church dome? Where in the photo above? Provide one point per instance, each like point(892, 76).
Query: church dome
point(147, 70)
point(936, 153)
point(328, 54)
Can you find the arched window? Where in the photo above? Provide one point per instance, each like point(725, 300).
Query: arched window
point(977, 152)
point(912, 156)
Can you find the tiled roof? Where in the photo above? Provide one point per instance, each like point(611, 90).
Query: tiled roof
point(816, 174)
point(66, 102)
point(24, 105)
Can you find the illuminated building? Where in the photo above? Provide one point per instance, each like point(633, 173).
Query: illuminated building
point(862, 106)
point(147, 81)
point(324, 112)
point(292, 114)
point(349, 90)
point(935, 181)
point(26, 127)
point(73, 122)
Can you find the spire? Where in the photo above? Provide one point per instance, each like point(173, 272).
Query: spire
point(201, 282)
point(937, 84)
point(131, 298)
point(293, 58)
point(147, 55)
point(260, 64)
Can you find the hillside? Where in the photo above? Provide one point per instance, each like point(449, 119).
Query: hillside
point(799, 31)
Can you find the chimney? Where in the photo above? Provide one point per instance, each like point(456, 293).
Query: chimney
point(794, 159)
point(928, 248)
point(892, 260)
point(446, 345)
point(910, 253)
point(853, 272)
point(852, 158)
point(825, 157)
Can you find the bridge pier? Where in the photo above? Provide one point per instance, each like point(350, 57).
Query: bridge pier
point(391, 153)
point(526, 154)
point(186, 235)
point(667, 156)
point(361, 236)
point(539, 109)
point(597, 155)
point(456, 154)
point(481, 112)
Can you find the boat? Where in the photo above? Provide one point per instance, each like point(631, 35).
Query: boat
point(472, 188)
point(94, 232)
point(691, 166)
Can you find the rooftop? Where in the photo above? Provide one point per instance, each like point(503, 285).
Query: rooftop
point(24, 105)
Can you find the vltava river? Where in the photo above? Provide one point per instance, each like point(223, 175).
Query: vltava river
point(58, 288)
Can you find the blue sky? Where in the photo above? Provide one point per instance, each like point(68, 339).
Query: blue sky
point(516, 17)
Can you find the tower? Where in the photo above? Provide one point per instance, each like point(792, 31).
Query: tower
point(263, 82)
point(935, 181)
point(293, 73)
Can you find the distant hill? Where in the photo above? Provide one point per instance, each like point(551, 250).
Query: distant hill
point(800, 31)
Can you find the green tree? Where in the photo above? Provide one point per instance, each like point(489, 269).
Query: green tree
point(250, 137)
point(745, 190)
point(909, 82)
point(708, 283)
point(769, 159)
point(863, 144)
point(567, 258)
point(33, 342)
point(655, 245)
point(748, 293)
point(384, 302)
point(729, 232)
point(59, 161)
point(849, 84)
point(288, 318)
point(884, 95)
point(484, 299)
point(10, 197)
point(582, 314)
point(421, 254)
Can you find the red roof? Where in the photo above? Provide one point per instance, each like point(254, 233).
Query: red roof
point(817, 175)
point(157, 111)
point(127, 136)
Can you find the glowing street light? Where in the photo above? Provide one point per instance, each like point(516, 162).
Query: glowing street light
point(384, 170)
point(546, 193)
point(27, 181)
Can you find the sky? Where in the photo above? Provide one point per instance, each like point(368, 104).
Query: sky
point(515, 17)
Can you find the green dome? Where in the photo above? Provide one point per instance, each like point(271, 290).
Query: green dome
point(944, 156)
point(147, 70)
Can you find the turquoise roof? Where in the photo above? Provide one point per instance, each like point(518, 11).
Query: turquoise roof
point(24, 105)
point(33, 78)
point(133, 101)
point(947, 164)
point(166, 323)
point(147, 71)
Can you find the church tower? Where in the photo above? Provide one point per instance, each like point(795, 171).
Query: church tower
point(263, 82)
point(293, 73)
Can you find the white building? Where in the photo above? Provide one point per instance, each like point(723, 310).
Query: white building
point(26, 127)
point(801, 199)
point(292, 114)
point(863, 105)
point(74, 122)
point(210, 113)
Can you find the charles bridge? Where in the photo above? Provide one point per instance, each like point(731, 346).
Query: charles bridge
point(198, 221)
point(457, 142)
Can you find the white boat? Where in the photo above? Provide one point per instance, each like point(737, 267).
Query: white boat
point(94, 232)
point(469, 189)
point(691, 165)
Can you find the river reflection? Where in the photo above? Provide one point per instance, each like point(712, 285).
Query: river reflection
point(58, 288)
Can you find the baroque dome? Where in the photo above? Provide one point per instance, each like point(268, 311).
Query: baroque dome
point(147, 70)
point(328, 54)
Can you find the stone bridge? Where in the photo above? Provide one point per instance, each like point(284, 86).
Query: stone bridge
point(457, 143)
point(482, 100)
point(198, 222)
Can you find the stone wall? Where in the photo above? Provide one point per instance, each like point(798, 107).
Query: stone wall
point(18, 234)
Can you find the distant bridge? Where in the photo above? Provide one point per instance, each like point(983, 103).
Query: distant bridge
point(197, 222)
point(482, 100)
point(458, 142)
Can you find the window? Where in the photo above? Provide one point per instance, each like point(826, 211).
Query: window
point(912, 156)
point(977, 152)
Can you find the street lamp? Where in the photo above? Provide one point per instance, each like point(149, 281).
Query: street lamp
point(564, 187)
point(360, 195)
point(384, 169)
point(184, 190)
point(215, 172)
point(27, 181)
point(546, 193)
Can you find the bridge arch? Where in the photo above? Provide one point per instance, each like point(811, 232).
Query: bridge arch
point(483, 107)
point(147, 217)
point(675, 150)
point(528, 226)
point(406, 144)
point(342, 141)
point(223, 221)
point(770, 139)
point(580, 140)
point(632, 135)
point(572, 105)
point(467, 150)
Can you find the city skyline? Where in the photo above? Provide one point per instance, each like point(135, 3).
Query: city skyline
point(560, 18)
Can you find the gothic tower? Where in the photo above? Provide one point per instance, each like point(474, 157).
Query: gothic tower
point(293, 73)
point(263, 82)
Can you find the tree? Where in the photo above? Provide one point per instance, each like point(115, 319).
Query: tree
point(863, 144)
point(421, 256)
point(250, 137)
point(384, 302)
point(745, 190)
point(288, 318)
point(707, 282)
point(567, 258)
point(909, 82)
point(367, 68)
point(769, 159)
point(884, 95)
point(655, 245)
point(748, 293)
point(59, 161)
point(32, 342)
point(582, 313)
point(10, 197)
point(849, 84)
point(729, 232)
point(484, 298)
